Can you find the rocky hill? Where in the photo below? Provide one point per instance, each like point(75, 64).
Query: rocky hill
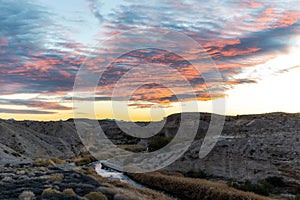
point(21, 141)
point(251, 146)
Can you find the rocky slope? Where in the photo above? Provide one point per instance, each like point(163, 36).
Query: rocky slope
point(251, 147)
point(26, 140)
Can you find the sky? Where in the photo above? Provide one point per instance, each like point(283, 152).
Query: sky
point(149, 58)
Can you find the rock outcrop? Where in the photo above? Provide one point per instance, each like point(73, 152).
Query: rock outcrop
point(251, 147)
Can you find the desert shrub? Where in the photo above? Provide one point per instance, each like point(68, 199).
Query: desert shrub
point(262, 187)
point(43, 162)
point(296, 190)
point(56, 177)
point(57, 161)
point(275, 181)
point(158, 142)
point(69, 191)
point(95, 196)
point(50, 191)
point(7, 165)
point(232, 183)
point(26, 195)
point(199, 174)
point(191, 188)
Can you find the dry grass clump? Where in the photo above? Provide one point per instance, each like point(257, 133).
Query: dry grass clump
point(50, 191)
point(84, 160)
point(58, 161)
point(44, 162)
point(56, 177)
point(95, 196)
point(27, 195)
point(192, 188)
point(69, 192)
point(126, 189)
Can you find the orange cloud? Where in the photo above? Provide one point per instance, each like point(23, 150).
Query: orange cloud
point(239, 52)
point(288, 18)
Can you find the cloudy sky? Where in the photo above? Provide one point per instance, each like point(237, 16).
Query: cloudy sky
point(154, 57)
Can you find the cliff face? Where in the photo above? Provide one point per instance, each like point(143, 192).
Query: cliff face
point(247, 157)
point(251, 147)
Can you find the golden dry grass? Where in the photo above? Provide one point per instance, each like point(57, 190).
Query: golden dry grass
point(43, 162)
point(191, 188)
point(58, 161)
point(84, 159)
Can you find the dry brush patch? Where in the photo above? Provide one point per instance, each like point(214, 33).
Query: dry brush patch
point(124, 188)
point(191, 188)
point(44, 162)
point(58, 161)
point(84, 159)
point(69, 191)
point(95, 196)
